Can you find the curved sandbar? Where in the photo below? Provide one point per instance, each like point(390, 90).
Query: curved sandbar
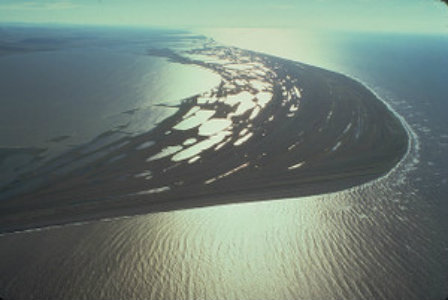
point(273, 128)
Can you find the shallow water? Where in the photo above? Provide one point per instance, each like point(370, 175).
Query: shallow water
point(383, 240)
point(71, 97)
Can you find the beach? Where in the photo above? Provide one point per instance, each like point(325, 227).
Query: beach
point(272, 129)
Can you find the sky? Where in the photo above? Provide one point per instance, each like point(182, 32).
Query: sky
point(362, 15)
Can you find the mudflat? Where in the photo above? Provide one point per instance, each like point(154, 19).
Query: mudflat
point(273, 128)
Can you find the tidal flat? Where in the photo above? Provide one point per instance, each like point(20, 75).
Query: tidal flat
point(273, 128)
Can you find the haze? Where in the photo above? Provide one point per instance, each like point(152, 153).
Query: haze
point(366, 15)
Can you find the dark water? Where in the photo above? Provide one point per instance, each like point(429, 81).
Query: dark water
point(54, 101)
point(382, 240)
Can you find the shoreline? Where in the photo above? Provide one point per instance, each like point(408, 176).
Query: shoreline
point(412, 136)
point(318, 160)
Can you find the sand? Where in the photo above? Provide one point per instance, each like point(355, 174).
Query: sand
point(283, 129)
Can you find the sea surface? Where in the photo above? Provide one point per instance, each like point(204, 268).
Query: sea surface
point(386, 239)
point(56, 101)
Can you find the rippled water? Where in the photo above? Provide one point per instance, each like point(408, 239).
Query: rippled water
point(383, 240)
point(344, 245)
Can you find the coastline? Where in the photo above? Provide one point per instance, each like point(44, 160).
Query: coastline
point(324, 164)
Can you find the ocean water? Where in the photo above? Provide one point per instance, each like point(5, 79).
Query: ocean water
point(383, 240)
point(72, 96)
